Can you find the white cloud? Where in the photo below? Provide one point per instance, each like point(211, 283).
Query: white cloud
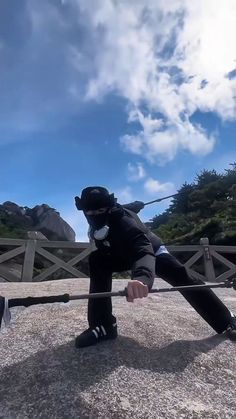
point(162, 146)
point(153, 186)
point(124, 196)
point(136, 171)
point(167, 57)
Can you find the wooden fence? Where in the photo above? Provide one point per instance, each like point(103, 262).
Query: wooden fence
point(201, 259)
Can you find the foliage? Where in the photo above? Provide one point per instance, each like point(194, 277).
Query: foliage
point(204, 208)
point(13, 225)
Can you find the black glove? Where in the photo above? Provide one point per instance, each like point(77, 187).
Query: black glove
point(138, 205)
point(135, 206)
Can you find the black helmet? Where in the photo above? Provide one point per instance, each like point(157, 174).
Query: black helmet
point(94, 197)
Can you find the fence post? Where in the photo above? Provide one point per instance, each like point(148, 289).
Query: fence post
point(31, 244)
point(208, 263)
point(28, 266)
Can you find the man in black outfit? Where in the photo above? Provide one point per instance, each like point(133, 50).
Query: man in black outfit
point(123, 242)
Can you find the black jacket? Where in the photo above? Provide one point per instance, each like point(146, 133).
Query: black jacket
point(131, 245)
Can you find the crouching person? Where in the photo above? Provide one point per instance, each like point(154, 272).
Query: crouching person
point(123, 242)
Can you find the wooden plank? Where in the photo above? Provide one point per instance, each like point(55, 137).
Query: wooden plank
point(28, 266)
point(197, 275)
point(193, 259)
point(62, 244)
point(190, 248)
point(59, 262)
point(224, 249)
point(208, 263)
point(45, 274)
point(12, 253)
point(226, 275)
point(79, 257)
point(11, 242)
point(223, 260)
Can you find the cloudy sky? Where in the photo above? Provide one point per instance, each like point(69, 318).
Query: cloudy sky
point(135, 95)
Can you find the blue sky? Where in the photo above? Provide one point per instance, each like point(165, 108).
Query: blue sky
point(138, 96)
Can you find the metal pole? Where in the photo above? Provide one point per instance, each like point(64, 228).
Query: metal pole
point(65, 298)
point(161, 199)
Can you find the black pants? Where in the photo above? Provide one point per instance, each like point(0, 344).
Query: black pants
point(204, 301)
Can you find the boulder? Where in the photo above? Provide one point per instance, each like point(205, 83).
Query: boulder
point(12, 208)
point(39, 218)
point(53, 226)
point(167, 363)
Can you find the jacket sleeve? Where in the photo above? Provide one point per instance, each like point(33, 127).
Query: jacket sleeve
point(135, 206)
point(141, 253)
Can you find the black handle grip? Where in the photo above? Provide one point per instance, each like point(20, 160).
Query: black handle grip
point(29, 301)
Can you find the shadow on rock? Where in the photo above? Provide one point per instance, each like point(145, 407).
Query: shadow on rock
point(49, 383)
point(172, 358)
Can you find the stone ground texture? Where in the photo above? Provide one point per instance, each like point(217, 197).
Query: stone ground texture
point(166, 363)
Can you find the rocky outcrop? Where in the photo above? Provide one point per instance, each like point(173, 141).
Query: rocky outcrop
point(39, 218)
point(49, 222)
point(167, 363)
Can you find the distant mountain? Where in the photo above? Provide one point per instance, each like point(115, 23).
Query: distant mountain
point(16, 221)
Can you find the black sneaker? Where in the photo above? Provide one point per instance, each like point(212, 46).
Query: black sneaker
point(4, 311)
point(92, 336)
point(231, 329)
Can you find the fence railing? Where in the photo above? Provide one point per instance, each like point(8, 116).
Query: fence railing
point(26, 252)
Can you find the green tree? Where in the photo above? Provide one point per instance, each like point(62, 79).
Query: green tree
point(180, 203)
point(206, 177)
point(206, 207)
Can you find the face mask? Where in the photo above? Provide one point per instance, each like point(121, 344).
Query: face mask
point(97, 220)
